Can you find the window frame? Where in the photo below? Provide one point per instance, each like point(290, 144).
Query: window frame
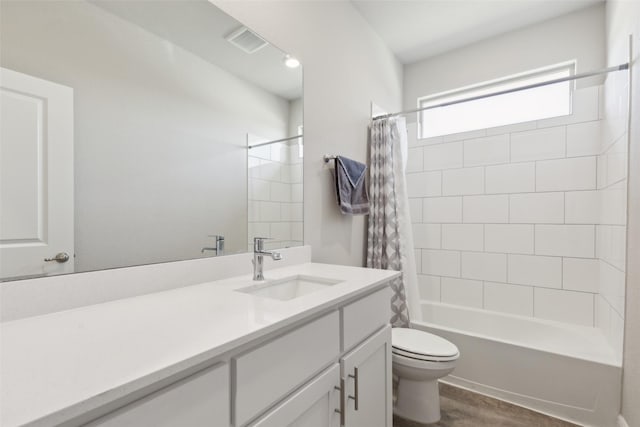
point(493, 86)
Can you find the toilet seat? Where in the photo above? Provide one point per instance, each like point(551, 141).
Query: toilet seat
point(423, 357)
point(432, 366)
point(420, 345)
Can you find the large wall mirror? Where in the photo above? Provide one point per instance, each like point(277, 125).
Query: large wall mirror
point(135, 132)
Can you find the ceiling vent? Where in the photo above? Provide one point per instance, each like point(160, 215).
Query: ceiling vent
point(246, 40)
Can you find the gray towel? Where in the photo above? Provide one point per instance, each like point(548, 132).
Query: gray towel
point(351, 189)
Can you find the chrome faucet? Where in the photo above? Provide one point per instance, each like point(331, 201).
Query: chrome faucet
point(258, 254)
point(219, 245)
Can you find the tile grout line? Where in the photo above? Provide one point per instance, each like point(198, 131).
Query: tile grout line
point(526, 285)
point(483, 295)
point(533, 302)
point(507, 257)
point(511, 162)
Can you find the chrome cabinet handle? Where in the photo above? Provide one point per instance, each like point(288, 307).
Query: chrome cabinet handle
point(341, 411)
point(60, 257)
point(355, 386)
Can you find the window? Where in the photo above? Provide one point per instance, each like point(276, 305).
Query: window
point(516, 107)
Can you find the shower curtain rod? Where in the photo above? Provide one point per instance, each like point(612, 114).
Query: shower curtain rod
point(620, 67)
point(274, 141)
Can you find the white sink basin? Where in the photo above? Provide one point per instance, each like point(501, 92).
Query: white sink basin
point(289, 288)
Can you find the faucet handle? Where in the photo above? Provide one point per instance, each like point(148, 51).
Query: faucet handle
point(218, 237)
point(258, 243)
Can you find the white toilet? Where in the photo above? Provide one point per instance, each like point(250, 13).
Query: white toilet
point(419, 359)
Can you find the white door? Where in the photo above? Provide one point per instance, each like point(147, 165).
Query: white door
point(315, 405)
point(367, 375)
point(36, 176)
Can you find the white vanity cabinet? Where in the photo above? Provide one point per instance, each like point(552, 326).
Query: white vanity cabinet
point(364, 370)
point(210, 355)
point(200, 400)
point(329, 371)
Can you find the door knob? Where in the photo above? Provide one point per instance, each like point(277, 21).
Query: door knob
point(60, 257)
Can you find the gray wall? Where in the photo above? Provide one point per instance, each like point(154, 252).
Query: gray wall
point(579, 35)
point(346, 66)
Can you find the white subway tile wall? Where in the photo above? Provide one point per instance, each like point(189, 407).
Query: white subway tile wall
point(611, 229)
point(511, 178)
point(427, 236)
point(441, 263)
point(424, 184)
point(536, 208)
point(583, 139)
point(582, 207)
point(415, 210)
point(539, 144)
point(275, 195)
point(486, 209)
point(463, 237)
point(490, 150)
point(414, 160)
point(443, 156)
point(542, 271)
point(566, 240)
point(578, 173)
point(484, 266)
point(564, 306)
point(509, 238)
point(580, 274)
point(461, 292)
point(463, 181)
point(442, 209)
point(513, 299)
point(429, 287)
point(521, 218)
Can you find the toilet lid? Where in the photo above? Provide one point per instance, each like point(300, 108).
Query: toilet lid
point(416, 342)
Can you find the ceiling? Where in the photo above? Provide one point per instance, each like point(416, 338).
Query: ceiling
point(200, 28)
point(418, 29)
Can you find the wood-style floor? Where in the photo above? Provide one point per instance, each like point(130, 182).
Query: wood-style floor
point(462, 408)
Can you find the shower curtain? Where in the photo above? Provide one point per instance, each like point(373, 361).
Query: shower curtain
point(390, 240)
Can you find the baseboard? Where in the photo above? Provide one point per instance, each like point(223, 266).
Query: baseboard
point(622, 422)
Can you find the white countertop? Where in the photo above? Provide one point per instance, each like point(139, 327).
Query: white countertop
point(57, 366)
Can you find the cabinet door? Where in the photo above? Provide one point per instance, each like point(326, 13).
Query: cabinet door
point(367, 375)
point(314, 405)
point(196, 401)
point(269, 373)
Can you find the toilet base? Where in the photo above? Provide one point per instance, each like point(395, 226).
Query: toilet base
point(418, 401)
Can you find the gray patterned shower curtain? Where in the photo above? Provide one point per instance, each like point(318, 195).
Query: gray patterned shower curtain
point(390, 240)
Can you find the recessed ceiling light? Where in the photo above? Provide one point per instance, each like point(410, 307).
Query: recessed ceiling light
point(291, 62)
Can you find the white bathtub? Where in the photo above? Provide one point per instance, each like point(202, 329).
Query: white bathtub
point(567, 371)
